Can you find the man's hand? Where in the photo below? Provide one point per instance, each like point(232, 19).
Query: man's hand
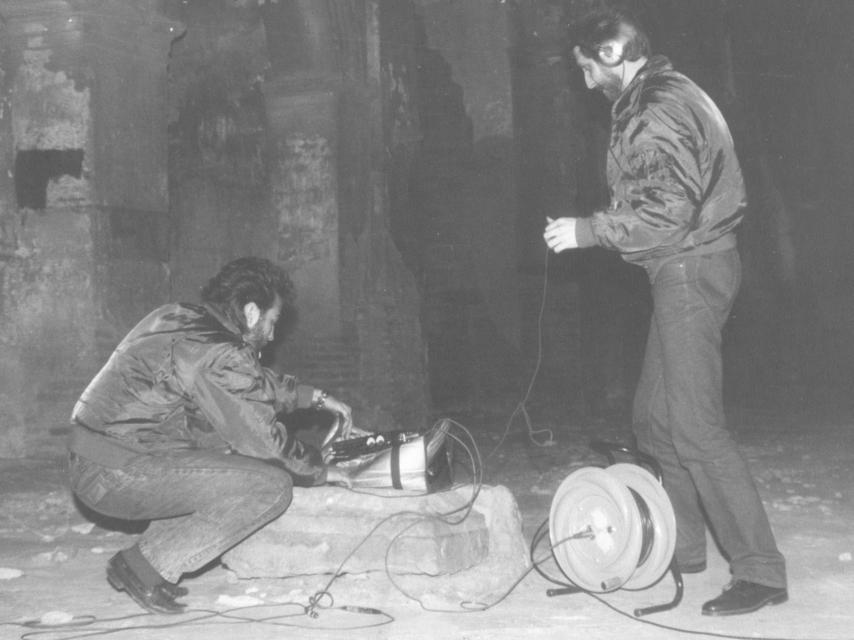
point(560, 234)
point(336, 406)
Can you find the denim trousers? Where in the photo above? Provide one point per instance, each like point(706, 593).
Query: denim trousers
point(200, 503)
point(678, 418)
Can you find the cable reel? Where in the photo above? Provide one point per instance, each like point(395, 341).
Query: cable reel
point(614, 527)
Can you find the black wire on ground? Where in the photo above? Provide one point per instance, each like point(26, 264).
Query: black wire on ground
point(461, 512)
point(321, 600)
point(90, 626)
point(537, 539)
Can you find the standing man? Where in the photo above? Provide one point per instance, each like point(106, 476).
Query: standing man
point(677, 195)
point(180, 427)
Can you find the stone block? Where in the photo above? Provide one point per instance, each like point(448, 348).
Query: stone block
point(383, 531)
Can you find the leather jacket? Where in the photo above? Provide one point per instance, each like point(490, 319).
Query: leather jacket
point(184, 378)
point(675, 180)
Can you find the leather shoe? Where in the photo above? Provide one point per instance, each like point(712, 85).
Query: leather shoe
point(174, 590)
point(693, 567)
point(157, 598)
point(741, 596)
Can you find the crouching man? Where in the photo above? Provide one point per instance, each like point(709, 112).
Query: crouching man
point(180, 427)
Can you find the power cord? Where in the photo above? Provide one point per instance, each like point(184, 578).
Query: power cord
point(537, 538)
point(90, 626)
point(447, 518)
point(521, 408)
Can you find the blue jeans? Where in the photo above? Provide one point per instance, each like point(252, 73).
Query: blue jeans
point(678, 418)
point(200, 503)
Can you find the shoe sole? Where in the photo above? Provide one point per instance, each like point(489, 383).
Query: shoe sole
point(778, 599)
point(116, 583)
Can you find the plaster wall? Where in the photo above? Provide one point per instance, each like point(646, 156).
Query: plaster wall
point(78, 262)
point(470, 252)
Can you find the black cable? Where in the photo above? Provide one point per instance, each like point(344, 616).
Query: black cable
point(317, 602)
point(205, 616)
point(521, 407)
point(537, 538)
point(693, 632)
point(647, 527)
point(465, 510)
point(539, 534)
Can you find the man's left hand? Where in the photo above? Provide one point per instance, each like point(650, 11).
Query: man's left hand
point(334, 405)
point(560, 234)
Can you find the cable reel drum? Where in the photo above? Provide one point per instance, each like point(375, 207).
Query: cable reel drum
point(613, 527)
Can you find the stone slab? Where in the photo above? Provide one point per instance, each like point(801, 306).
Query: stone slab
point(330, 529)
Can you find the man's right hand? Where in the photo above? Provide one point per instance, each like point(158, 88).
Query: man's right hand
point(560, 234)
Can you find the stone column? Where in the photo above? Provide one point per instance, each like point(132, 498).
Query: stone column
point(301, 98)
point(304, 193)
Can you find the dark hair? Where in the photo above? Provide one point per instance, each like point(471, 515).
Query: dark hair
point(246, 280)
point(605, 25)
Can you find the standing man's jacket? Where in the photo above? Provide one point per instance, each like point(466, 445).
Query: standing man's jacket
point(184, 378)
point(676, 185)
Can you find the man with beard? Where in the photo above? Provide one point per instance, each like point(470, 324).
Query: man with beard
point(181, 427)
point(677, 196)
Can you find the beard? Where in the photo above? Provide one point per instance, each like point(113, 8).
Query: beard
point(611, 94)
point(612, 88)
point(256, 338)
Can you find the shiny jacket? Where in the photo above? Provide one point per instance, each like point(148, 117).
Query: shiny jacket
point(184, 378)
point(676, 184)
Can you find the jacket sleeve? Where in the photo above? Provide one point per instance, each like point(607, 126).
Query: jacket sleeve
point(289, 393)
point(658, 184)
point(239, 399)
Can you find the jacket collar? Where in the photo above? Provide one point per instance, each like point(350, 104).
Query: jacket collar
point(222, 317)
point(654, 65)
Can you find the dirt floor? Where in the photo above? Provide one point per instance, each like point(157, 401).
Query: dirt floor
point(52, 558)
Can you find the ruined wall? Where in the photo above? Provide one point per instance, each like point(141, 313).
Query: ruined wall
point(71, 282)
point(464, 230)
point(276, 126)
point(219, 152)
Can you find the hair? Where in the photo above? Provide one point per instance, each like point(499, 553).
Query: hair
point(246, 280)
point(600, 27)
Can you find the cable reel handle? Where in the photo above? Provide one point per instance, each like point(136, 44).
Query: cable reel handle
point(610, 449)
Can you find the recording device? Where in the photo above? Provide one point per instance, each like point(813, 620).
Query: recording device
point(346, 450)
point(398, 459)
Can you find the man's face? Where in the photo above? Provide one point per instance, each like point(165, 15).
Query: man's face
point(263, 330)
point(608, 80)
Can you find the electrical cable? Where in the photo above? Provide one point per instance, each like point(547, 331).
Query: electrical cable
point(537, 538)
point(202, 617)
point(321, 600)
point(521, 407)
point(461, 512)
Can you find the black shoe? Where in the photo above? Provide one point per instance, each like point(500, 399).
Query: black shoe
point(741, 596)
point(693, 567)
point(158, 598)
point(174, 590)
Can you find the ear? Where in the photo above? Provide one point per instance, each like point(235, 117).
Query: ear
point(252, 314)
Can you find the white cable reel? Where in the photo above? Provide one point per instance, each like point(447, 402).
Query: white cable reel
point(612, 528)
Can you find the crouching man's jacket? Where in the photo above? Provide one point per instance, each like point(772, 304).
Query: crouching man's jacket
point(184, 378)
